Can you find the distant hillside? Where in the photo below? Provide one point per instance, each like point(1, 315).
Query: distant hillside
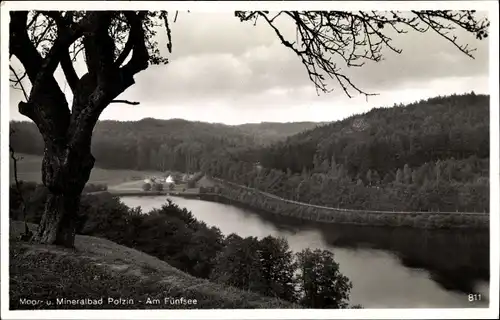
point(381, 140)
point(277, 130)
point(387, 138)
point(152, 144)
point(431, 155)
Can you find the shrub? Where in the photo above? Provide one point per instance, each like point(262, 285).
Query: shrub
point(170, 233)
point(34, 195)
point(95, 187)
point(146, 186)
point(158, 187)
point(26, 188)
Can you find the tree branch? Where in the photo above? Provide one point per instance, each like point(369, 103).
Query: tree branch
point(65, 37)
point(140, 55)
point(99, 46)
point(69, 70)
point(47, 105)
point(134, 103)
point(19, 81)
point(105, 79)
point(21, 46)
point(126, 51)
point(64, 30)
point(353, 37)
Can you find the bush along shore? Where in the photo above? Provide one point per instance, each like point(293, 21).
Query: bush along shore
point(262, 201)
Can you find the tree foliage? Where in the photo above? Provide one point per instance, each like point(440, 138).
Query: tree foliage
point(322, 284)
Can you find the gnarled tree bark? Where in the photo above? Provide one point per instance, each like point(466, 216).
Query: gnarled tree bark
point(67, 135)
point(65, 171)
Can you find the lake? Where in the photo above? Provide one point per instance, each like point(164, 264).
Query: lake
point(388, 267)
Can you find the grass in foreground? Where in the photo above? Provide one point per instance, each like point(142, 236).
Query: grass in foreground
point(99, 268)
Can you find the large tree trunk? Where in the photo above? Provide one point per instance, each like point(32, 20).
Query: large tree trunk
point(65, 172)
point(58, 223)
point(67, 133)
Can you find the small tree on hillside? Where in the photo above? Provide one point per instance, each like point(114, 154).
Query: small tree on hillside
point(158, 186)
point(277, 268)
point(322, 284)
point(238, 264)
point(116, 45)
point(146, 186)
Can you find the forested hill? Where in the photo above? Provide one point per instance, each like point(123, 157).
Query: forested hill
point(384, 139)
point(162, 144)
point(429, 155)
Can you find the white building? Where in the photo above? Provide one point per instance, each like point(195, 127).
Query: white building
point(169, 180)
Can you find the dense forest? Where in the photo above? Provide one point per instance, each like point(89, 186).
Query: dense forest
point(383, 139)
point(266, 132)
point(431, 155)
point(154, 144)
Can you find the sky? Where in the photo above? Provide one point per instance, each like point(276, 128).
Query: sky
point(222, 70)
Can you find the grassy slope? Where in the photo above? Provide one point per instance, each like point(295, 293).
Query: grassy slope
point(101, 268)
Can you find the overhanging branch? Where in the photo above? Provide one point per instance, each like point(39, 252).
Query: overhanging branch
point(69, 70)
point(64, 28)
point(99, 46)
point(134, 103)
point(21, 46)
point(140, 55)
point(19, 81)
point(355, 37)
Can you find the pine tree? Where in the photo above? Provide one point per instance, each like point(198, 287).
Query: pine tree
point(438, 171)
point(333, 167)
point(305, 173)
point(325, 166)
point(369, 177)
point(316, 163)
point(375, 177)
point(399, 176)
point(407, 174)
point(387, 179)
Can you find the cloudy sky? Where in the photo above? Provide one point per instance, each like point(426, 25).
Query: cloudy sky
point(222, 70)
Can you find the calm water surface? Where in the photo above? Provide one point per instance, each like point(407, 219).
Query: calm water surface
point(389, 268)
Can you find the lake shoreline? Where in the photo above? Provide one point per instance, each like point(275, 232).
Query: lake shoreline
point(411, 254)
point(417, 220)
